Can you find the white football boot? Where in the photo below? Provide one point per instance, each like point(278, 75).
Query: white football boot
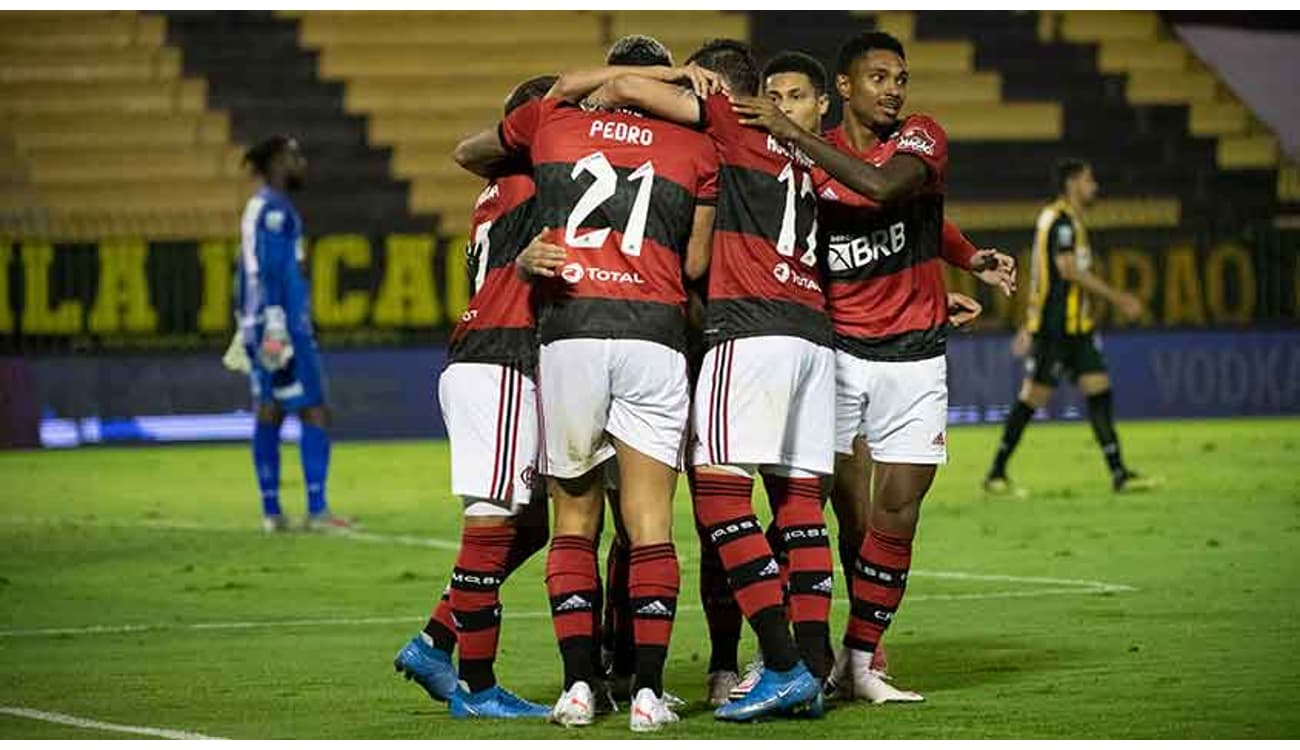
point(650, 712)
point(576, 707)
point(854, 679)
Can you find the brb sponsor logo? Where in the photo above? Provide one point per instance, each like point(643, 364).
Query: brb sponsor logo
point(575, 272)
point(787, 275)
point(847, 253)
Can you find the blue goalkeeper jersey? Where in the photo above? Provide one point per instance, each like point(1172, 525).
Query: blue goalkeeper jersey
point(269, 273)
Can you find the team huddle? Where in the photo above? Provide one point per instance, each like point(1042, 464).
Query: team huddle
point(675, 269)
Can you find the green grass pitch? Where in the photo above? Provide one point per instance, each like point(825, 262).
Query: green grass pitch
point(1181, 617)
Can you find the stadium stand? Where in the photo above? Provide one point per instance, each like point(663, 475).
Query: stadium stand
point(126, 123)
point(105, 134)
point(404, 71)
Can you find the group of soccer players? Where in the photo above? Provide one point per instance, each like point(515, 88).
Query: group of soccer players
point(672, 267)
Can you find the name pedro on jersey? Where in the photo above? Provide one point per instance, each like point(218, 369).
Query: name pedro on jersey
point(615, 130)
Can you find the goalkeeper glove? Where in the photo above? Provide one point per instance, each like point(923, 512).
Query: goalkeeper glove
point(236, 358)
point(276, 349)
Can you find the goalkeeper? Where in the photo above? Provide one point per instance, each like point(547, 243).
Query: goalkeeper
point(274, 321)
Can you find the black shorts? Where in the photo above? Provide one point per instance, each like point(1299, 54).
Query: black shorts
point(1054, 357)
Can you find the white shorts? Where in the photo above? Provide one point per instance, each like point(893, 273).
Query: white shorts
point(766, 401)
point(491, 416)
point(900, 407)
point(593, 389)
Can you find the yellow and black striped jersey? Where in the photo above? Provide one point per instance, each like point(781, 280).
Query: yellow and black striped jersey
point(1056, 306)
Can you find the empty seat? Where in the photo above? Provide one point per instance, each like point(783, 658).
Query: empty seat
point(125, 165)
point(186, 95)
point(1165, 87)
point(1255, 151)
point(1091, 26)
point(997, 122)
point(18, 31)
point(1125, 55)
point(129, 64)
point(116, 130)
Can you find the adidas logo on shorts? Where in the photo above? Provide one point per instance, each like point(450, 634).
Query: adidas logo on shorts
point(574, 602)
point(655, 607)
point(824, 586)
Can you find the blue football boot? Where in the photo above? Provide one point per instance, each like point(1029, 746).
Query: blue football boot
point(494, 703)
point(776, 693)
point(429, 667)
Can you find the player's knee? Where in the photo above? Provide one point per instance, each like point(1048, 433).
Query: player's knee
point(1094, 384)
point(578, 505)
point(317, 416)
point(1035, 394)
point(270, 413)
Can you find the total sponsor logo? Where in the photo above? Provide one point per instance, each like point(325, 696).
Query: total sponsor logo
point(575, 272)
point(787, 275)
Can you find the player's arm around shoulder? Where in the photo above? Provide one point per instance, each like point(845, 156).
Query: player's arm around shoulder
point(489, 153)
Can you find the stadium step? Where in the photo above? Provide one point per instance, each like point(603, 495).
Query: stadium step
point(273, 86)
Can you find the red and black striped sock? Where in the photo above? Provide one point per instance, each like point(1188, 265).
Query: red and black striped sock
point(440, 628)
point(476, 600)
point(571, 585)
point(721, 613)
point(723, 507)
point(879, 579)
point(617, 637)
point(809, 586)
point(653, 582)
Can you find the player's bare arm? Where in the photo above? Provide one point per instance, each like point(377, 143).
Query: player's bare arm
point(991, 267)
point(577, 85)
point(1068, 266)
point(698, 250)
point(482, 153)
point(962, 310)
point(540, 258)
point(996, 269)
point(665, 100)
point(900, 176)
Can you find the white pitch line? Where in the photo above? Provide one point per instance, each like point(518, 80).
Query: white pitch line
point(960, 576)
point(1097, 587)
point(1060, 586)
point(84, 723)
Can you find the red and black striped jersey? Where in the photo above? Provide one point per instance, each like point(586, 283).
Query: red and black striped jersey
point(764, 274)
point(498, 326)
point(618, 191)
point(885, 287)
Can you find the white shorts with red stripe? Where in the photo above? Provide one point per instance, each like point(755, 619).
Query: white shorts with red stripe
point(491, 416)
point(766, 401)
point(901, 408)
point(595, 389)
